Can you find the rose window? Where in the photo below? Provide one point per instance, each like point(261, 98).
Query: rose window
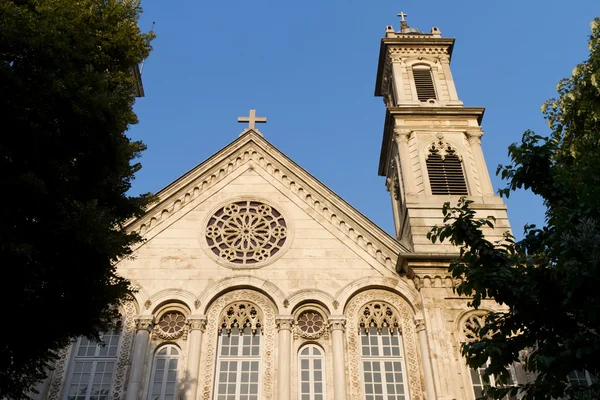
point(246, 232)
point(172, 323)
point(310, 322)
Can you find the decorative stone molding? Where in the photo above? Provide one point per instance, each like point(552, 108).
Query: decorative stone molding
point(58, 375)
point(172, 325)
point(419, 324)
point(268, 330)
point(436, 281)
point(310, 324)
point(474, 137)
point(241, 315)
point(402, 135)
point(406, 322)
point(124, 356)
point(378, 315)
point(246, 233)
point(337, 324)
point(284, 323)
point(439, 51)
point(208, 178)
point(144, 323)
point(443, 149)
point(197, 324)
point(471, 324)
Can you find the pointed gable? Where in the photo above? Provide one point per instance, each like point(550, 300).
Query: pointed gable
point(251, 152)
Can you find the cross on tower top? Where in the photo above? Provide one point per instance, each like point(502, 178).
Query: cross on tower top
point(252, 119)
point(402, 16)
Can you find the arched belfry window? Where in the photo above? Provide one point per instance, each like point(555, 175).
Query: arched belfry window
point(445, 170)
point(239, 354)
point(163, 382)
point(423, 77)
point(382, 355)
point(311, 373)
point(93, 367)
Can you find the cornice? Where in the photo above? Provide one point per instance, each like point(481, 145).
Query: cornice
point(253, 151)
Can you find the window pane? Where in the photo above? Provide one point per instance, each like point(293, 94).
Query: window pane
point(238, 363)
point(310, 376)
point(382, 366)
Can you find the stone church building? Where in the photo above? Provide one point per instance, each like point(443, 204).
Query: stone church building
point(257, 282)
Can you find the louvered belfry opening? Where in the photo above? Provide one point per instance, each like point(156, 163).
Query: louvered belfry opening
point(424, 84)
point(445, 172)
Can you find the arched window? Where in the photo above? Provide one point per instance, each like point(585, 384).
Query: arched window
point(581, 378)
point(163, 382)
point(445, 171)
point(424, 83)
point(239, 354)
point(382, 354)
point(478, 379)
point(311, 376)
point(93, 367)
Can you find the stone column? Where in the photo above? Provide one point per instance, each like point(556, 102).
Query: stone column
point(284, 378)
point(197, 325)
point(338, 327)
point(482, 172)
point(401, 137)
point(426, 359)
point(143, 326)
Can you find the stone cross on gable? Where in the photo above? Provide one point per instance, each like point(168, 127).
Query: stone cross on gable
point(252, 119)
point(402, 16)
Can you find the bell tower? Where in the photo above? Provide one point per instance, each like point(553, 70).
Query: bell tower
point(431, 150)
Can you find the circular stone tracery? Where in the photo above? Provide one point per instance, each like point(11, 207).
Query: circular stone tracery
point(310, 322)
point(172, 323)
point(246, 232)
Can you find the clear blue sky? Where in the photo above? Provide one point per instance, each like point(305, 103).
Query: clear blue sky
point(310, 68)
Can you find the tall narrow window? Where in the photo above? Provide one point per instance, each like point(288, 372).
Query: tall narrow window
point(424, 83)
point(581, 378)
point(164, 374)
point(92, 372)
point(382, 355)
point(479, 381)
point(445, 171)
point(239, 355)
point(311, 368)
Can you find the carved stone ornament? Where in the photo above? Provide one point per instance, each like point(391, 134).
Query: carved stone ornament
point(246, 233)
point(241, 315)
point(419, 324)
point(405, 318)
point(144, 323)
point(172, 325)
point(310, 324)
point(442, 149)
point(124, 356)
point(378, 315)
point(471, 325)
point(265, 313)
point(336, 324)
point(284, 324)
point(197, 324)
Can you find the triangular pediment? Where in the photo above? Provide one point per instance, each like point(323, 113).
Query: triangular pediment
point(252, 152)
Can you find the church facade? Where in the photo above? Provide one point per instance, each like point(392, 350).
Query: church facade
point(256, 281)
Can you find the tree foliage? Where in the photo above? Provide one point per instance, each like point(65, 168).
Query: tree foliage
point(549, 281)
point(66, 96)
